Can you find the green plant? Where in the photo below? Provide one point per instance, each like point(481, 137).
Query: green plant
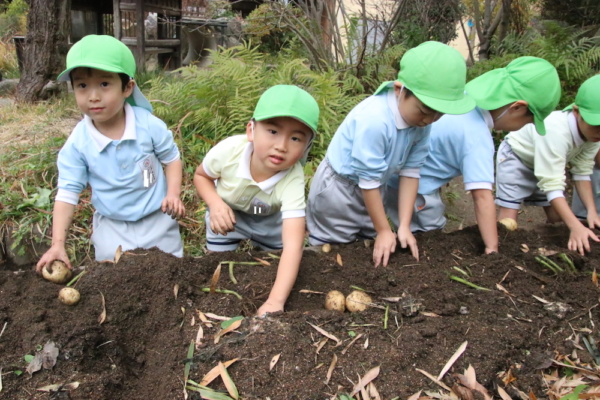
point(13, 19)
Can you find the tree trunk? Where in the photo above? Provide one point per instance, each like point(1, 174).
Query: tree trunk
point(46, 46)
point(505, 23)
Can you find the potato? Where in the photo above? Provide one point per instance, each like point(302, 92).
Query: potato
point(335, 300)
point(509, 223)
point(69, 296)
point(358, 301)
point(57, 272)
point(326, 248)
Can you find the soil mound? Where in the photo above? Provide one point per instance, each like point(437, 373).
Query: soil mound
point(139, 351)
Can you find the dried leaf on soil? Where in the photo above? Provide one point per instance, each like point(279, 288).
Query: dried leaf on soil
point(366, 343)
point(325, 333)
point(35, 364)
point(595, 277)
point(204, 319)
point(415, 396)
point(524, 248)
point(503, 394)
point(429, 314)
point(543, 251)
point(310, 291)
point(433, 378)
point(118, 254)
point(373, 393)
point(351, 343)
point(176, 290)
point(213, 373)
point(49, 355)
point(263, 262)
point(199, 336)
point(339, 260)
point(102, 316)
point(274, 361)
point(59, 387)
point(365, 380)
point(217, 317)
point(229, 384)
point(230, 328)
point(452, 360)
point(321, 344)
point(215, 278)
point(469, 380)
point(331, 368)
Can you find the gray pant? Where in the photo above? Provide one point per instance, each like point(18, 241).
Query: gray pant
point(336, 211)
point(263, 231)
point(156, 229)
point(577, 206)
point(515, 182)
point(428, 213)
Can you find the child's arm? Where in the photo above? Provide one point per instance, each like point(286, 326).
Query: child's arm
point(580, 235)
point(61, 221)
point(586, 194)
point(287, 271)
point(485, 212)
point(597, 159)
point(385, 242)
point(406, 203)
point(172, 203)
point(222, 218)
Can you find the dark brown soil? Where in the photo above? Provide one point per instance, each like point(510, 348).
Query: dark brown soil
point(139, 351)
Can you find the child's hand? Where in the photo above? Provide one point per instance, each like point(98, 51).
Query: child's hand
point(173, 206)
point(269, 307)
point(56, 252)
point(578, 240)
point(385, 244)
point(407, 239)
point(222, 218)
point(593, 220)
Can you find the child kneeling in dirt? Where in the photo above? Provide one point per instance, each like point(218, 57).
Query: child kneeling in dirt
point(117, 148)
point(386, 135)
point(531, 168)
point(526, 91)
point(259, 193)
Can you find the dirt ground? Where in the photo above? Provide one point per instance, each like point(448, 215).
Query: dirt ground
point(139, 351)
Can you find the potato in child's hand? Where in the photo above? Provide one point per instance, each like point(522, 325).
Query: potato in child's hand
point(56, 272)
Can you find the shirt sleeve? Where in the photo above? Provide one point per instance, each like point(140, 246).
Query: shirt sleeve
point(550, 160)
point(368, 150)
point(165, 148)
point(215, 158)
point(293, 204)
point(583, 163)
point(417, 153)
point(73, 171)
point(477, 164)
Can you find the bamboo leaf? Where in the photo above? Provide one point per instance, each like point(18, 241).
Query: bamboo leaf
point(234, 325)
point(365, 380)
point(274, 361)
point(213, 373)
point(331, 368)
point(229, 384)
point(325, 333)
point(215, 278)
point(454, 357)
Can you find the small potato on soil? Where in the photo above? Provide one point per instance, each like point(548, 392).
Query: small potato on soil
point(335, 300)
point(57, 272)
point(358, 301)
point(69, 296)
point(509, 223)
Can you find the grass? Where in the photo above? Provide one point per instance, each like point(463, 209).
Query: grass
point(9, 68)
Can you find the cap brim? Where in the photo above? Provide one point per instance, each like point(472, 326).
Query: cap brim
point(455, 107)
point(589, 117)
point(539, 125)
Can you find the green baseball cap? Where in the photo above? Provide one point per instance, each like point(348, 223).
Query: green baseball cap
point(532, 79)
point(105, 53)
point(588, 100)
point(288, 101)
point(436, 73)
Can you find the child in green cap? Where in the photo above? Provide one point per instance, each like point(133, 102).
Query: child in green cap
point(526, 91)
point(385, 135)
point(531, 168)
point(259, 193)
point(119, 149)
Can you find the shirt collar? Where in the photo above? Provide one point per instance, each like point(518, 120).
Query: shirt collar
point(243, 171)
point(575, 130)
point(487, 116)
point(101, 141)
point(393, 104)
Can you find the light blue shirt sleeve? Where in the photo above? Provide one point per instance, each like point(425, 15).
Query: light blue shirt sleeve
point(369, 149)
point(477, 164)
point(73, 171)
point(165, 148)
point(420, 149)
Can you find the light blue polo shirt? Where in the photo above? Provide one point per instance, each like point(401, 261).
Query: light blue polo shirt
point(126, 175)
point(373, 143)
point(460, 145)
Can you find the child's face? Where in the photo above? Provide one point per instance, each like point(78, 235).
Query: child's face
point(99, 94)
point(591, 133)
point(278, 142)
point(413, 111)
point(513, 117)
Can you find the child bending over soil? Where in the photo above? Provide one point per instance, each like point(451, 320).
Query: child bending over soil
point(378, 150)
point(259, 193)
point(526, 91)
point(531, 168)
point(117, 148)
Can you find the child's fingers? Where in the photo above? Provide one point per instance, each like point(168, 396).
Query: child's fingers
point(386, 257)
point(231, 216)
point(414, 250)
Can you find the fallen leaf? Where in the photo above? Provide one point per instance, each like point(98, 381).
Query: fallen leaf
point(391, 299)
point(325, 333)
point(176, 289)
point(532, 396)
point(452, 359)
point(204, 319)
point(213, 373)
point(230, 328)
point(373, 393)
point(49, 355)
point(56, 387)
point(463, 393)
point(263, 262)
point(331, 368)
point(365, 380)
point(193, 321)
point(118, 254)
point(35, 364)
point(415, 396)
point(524, 248)
point(351, 343)
point(503, 394)
point(199, 336)
point(229, 384)
point(274, 361)
point(502, 289)
point(366, 344)
point(543, 251)
point(102, 316)
point(215, 278)
point(433, 378)
point(469, 380)
point(429, 314)
point(310, 291)
point(339, 260)
point(595, 277)
point(217, 317)
point(321, 344)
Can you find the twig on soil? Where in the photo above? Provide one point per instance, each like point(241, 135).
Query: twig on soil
point(465, 282)
point(3, 328)
point(223, 291)
point(76, 278)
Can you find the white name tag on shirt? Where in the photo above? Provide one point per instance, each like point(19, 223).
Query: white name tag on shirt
point(147, 167)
